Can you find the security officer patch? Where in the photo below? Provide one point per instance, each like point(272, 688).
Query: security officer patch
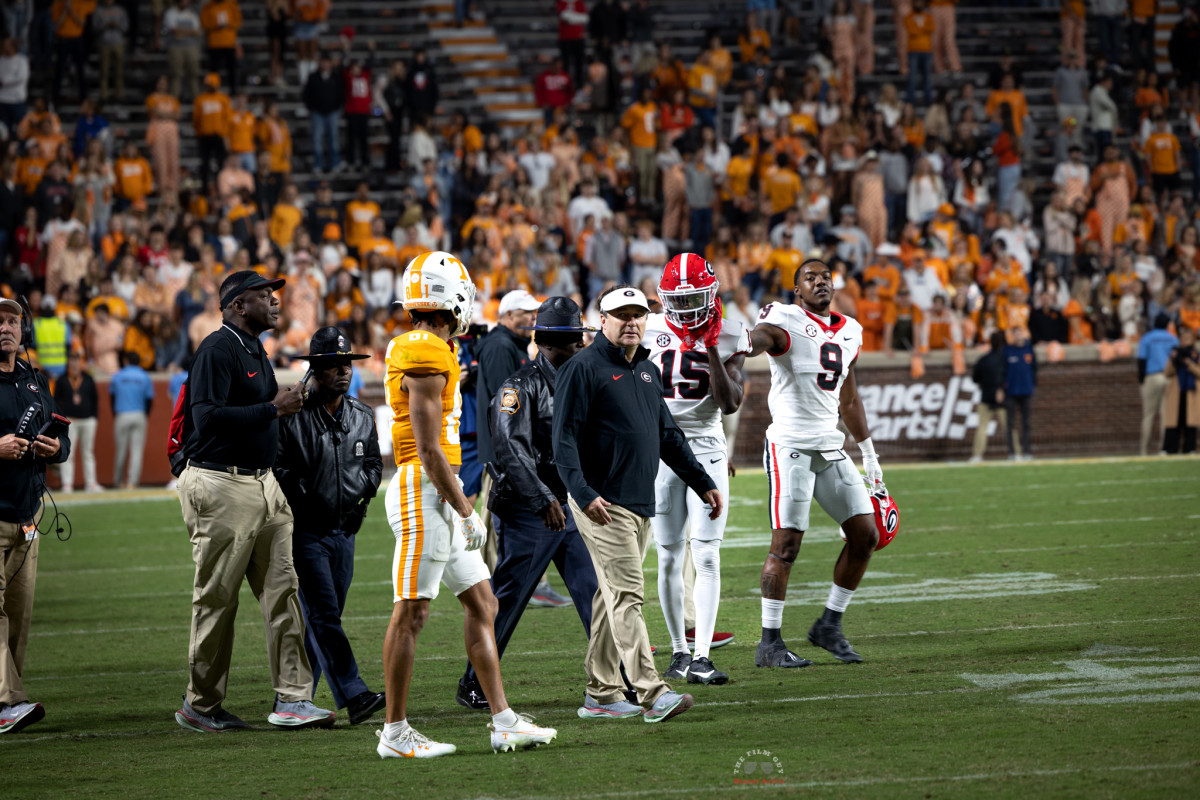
point(509, 402)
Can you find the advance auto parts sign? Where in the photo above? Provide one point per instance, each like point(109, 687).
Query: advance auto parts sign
point(922, 411)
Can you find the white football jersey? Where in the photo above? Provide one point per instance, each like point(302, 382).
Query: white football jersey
point(685, 377)
point(807, 377)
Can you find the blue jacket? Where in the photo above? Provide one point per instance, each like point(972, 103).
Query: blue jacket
point(1021, 377)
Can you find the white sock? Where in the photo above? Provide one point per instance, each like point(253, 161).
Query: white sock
point(706, 557)
point(772, 613)
point(670, 593)
point(507, 718)
point(839, 598)
point(393, 729)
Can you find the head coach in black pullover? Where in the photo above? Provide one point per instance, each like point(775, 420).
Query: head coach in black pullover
point(237, 517)
point(611, 427)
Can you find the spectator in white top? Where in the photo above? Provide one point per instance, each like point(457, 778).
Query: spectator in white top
point(1058, 224)
point(925, 192)
point(923, 283)
point(588, 202)
point(421, 147)
point(647, 254)
point(182, 33)
point(1104, 112)
point(1070, 92)
point(801, 236)
point(1020, 240)
point(14, 85)
point(537, 163)
point(1072, 175)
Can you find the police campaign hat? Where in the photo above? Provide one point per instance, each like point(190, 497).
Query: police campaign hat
point(244, 281)
point(328, 344)
point(559, 314)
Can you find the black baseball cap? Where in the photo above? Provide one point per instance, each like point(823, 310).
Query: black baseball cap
point(244, 281)
point(328, 344)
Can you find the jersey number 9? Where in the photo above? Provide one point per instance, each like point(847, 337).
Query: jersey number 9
point(831, 359)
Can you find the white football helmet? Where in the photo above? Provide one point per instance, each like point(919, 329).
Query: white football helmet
point(438, 281)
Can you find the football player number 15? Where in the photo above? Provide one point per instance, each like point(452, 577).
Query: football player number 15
point(691, 382)
point(831, 359)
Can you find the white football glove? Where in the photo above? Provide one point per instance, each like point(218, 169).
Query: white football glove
point(870, 462)
point(473, 529)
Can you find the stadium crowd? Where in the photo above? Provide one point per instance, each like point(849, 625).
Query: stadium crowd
point(941, 223)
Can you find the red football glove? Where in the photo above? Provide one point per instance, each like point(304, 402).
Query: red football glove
point(713, 329)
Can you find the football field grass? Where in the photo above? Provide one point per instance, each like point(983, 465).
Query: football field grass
point(1034, 631)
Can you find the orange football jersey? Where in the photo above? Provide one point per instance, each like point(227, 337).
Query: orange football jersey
point(422, 353)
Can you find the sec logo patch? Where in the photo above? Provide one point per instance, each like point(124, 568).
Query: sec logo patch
point(810, 329)
point(664, 340)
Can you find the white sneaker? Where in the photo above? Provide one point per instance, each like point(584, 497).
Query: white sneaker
point(975, 459)
point(20, 715)
point(523, 733)
point(411, 744)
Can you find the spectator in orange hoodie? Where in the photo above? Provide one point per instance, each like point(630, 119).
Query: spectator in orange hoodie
point(211, 113)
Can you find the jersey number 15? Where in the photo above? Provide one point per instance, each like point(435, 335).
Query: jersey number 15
point(691, 382)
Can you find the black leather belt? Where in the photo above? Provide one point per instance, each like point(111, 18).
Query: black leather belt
point(252, 473)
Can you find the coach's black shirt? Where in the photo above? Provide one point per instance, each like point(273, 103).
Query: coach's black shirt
point(232, 384)
point(611, 426)
point(21, 481)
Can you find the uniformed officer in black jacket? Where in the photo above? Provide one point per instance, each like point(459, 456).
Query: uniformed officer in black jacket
point(611, 427)
point(329, 468)
point(502, 352)
point(528, 499)
point(25, 406)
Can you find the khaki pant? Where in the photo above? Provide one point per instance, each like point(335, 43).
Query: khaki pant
point(645, 167)
point(163, 136)
point(618, 629)
point(1153, 389)
point(18, 573)
point(241, 526)
point(184, 60)
point(945, 42)
point(129, 436)
point(112, 63)
point(986, 414)
point(83, 444)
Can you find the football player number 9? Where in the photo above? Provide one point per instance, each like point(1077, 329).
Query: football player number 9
point(831, 359)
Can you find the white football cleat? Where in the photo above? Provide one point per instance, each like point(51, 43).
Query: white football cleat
point(411, 744)
point(523, 734)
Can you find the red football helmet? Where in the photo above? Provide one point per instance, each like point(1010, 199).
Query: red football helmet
point(688, 291)
point(887, 518)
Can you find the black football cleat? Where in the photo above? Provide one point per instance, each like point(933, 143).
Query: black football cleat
point(364, 706)
point(776, 654)
point(830, 637)
point(701, 670)
point(471, 696)
point(679, 666)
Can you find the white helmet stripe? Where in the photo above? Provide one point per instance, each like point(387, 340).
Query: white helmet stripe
point(683, 268)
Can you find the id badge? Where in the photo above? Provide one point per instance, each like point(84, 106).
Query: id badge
point(30, 530)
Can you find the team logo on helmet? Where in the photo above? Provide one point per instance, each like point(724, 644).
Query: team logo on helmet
point(688, 290)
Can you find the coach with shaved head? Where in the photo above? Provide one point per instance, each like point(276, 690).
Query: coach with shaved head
point(237, 517)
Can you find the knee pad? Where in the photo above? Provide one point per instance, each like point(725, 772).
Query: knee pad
point(706, 556)
point(669, 555)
